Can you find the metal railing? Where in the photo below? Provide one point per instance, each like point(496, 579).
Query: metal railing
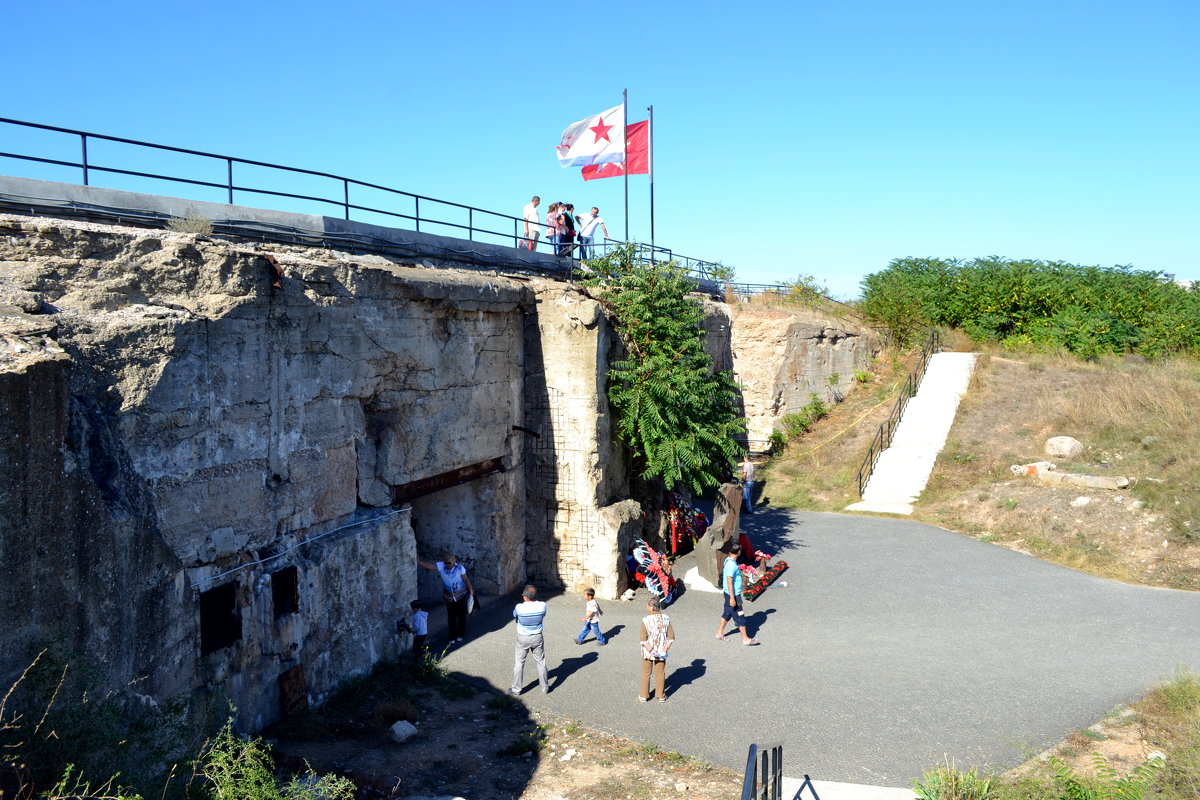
point(476, 224)
point(763, 779)
point(883, 436)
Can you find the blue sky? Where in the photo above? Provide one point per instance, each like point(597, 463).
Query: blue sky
point(798, 138)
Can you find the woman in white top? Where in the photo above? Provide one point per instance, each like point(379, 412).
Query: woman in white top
point(456, 589)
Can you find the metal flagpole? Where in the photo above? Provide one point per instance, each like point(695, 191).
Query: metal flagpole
point(625, 134)
point(650, 159)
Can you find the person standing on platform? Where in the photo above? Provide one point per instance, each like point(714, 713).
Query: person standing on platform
point(532, 226)
point(587, 232)
point(529, 614)
point(552, 227)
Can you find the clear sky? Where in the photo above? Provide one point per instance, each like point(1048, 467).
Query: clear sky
point(811, 138)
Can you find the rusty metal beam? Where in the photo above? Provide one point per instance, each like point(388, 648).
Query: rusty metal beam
point(454, 477)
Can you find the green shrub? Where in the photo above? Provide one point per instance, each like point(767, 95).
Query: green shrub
point(801, 422)
point(1089, 311)
point(233, 768)
point(1109, 784)
point(945, 782)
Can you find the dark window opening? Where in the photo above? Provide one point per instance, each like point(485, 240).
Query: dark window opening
point(220, 623)
point(285, 591)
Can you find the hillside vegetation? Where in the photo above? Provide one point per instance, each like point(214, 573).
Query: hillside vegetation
point(1110, 357)
point(1087, 311)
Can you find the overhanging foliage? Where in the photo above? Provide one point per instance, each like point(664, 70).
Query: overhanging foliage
point(677, 416)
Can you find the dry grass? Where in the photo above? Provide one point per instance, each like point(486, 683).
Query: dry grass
point(1134, 418)
point(1141, 417)
point(819, 470)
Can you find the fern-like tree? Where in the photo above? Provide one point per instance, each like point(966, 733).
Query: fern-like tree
point(676, 414)
point(1109, 784)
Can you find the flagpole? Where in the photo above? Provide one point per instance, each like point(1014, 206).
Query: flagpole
point(625, 154)
point(650, 158)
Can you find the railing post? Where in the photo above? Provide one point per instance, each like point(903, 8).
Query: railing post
point(346, 197)
point(470, 224)
point(417, 212)
point(83, 142)
point(229, 178)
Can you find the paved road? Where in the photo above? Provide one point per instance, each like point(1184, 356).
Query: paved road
point(893, 644)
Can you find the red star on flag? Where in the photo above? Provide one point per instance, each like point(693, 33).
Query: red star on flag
point(601, 130)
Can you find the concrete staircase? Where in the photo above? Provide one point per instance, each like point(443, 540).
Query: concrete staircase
point(903, 468)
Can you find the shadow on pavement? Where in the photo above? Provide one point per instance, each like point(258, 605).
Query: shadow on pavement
point(684, 676)
point(569, 666)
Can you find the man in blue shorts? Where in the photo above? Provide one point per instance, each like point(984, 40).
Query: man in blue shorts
point(731, 587)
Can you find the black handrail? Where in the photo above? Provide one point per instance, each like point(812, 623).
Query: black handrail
point(763, 779)
point(698, 267)
point(883, 436)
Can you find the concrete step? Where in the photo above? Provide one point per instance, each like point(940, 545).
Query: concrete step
point(829, 790)
point(904, 468)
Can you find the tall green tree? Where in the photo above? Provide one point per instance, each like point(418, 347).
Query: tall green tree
point(676, 414)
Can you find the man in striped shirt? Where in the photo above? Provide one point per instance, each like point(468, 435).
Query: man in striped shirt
point(529, 615)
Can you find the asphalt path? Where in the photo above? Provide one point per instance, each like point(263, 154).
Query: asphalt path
point(893, 645)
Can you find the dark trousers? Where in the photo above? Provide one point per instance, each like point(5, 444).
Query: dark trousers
point(456, 617)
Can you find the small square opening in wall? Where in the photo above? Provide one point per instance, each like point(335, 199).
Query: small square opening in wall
point(220, 623)
point(285, 591)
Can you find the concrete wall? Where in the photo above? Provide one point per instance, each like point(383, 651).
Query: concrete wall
point(186, 426)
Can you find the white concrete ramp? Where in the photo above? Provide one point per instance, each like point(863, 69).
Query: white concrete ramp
point(903, 468)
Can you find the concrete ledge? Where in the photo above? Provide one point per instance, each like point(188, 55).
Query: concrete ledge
point(44, 196)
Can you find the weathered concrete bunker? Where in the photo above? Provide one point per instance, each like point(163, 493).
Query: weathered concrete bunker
point(222, 486)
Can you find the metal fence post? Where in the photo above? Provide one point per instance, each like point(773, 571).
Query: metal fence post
point(346, 197)
point(229, 178)
point(83, 142)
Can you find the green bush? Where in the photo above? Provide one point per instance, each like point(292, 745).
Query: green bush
point(945, 782)
point(1090, 311)
point(801, 422)
point(234, 768)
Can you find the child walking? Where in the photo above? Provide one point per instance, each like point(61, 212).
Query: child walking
point(591, 619)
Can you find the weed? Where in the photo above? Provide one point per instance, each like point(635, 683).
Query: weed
point(571, 728)
point(862, 376)
point(528, 742)
point(946, 782)
point(1180, 695)
point(505, 703)
point(1095, 736)
point(192, 223)
point(242, 769)
point(1008, 504)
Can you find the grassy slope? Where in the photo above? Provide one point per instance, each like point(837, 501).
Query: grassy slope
point(1134, 417)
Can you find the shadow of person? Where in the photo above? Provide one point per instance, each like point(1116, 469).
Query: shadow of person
point(613, 631)
point(683, 676)
point(569, 666)
point(755, 621)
